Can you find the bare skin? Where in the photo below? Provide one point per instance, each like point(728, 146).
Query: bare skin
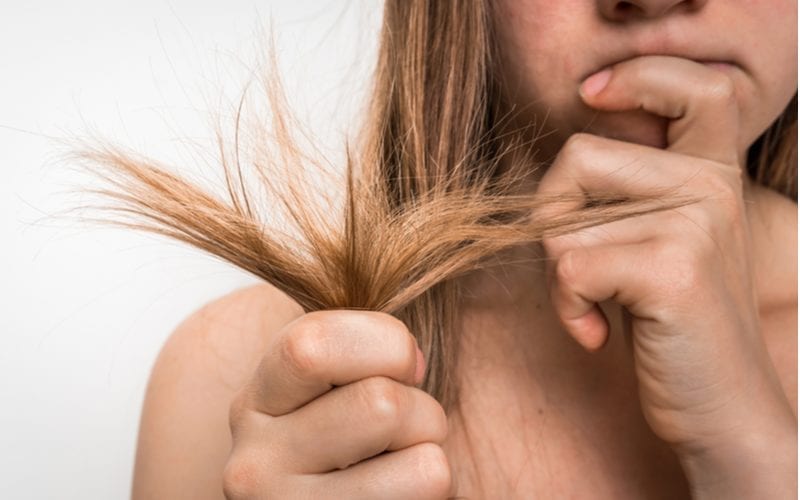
point(545, 415)
point(583, 410)
point(580, 384)
point(542, 410)
point(555, 401)
point(548, 417)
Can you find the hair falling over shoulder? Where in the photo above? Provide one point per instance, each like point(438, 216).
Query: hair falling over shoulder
point(427, 195)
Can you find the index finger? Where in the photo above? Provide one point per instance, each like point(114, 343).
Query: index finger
point(698, 99)
point(324, 349)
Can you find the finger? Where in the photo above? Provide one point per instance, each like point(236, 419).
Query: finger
point(582, 318)
point(324, 349)
point(589, 166)
point(620, 232)
point(357, 421)
point(584, 277)
point(420, 471)
point(700, 102)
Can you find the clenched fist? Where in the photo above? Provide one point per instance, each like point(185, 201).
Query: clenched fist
point(332, 412)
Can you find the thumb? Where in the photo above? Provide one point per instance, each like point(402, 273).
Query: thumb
point(698, 99)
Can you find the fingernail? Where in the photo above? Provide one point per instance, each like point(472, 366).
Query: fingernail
point(595, 83)
point(420, 373)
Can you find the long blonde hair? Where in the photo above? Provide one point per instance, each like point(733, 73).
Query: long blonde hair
point(428, 197)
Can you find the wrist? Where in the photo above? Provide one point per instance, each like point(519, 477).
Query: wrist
point(752, 465)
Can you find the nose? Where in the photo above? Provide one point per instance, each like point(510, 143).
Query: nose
point(617, 10)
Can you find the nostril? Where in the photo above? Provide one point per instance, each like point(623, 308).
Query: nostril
point(624, 7)
point(634, 9)
point(619, 11)
point(623, 11)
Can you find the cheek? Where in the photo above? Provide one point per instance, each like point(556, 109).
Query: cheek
point(773, 54)
point(542, 75)
point(541, 45)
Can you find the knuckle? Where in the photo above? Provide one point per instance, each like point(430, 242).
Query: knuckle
point(393, 322)
point(568, 267)
point(403, 343)
point(725, 209)
point(579, 140)
point(557, 246)
point(721, 88)
point(549, 245)
point(301, 349)
point(382, 398)
point(434, 470)
point(578, 146)
point(405, 337)
point(554, 246)
point(241, 477)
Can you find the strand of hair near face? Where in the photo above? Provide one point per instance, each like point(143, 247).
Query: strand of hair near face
point(373, 256)
point(431, 193)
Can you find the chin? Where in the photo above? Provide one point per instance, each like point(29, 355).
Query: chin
point(631, 126)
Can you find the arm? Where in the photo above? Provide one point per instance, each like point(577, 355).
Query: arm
point(184, 436)
point(760, 465)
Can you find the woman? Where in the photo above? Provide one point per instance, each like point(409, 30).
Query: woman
point(636, 340)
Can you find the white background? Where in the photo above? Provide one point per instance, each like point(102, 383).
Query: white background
point(84, 309)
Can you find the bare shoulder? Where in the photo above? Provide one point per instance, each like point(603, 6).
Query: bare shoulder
point(779, 327)
point(230, 333)
point(184, 437)
point(779, 277)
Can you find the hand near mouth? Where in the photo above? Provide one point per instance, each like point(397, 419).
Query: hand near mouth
point(684, 276)
point(699, 101)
